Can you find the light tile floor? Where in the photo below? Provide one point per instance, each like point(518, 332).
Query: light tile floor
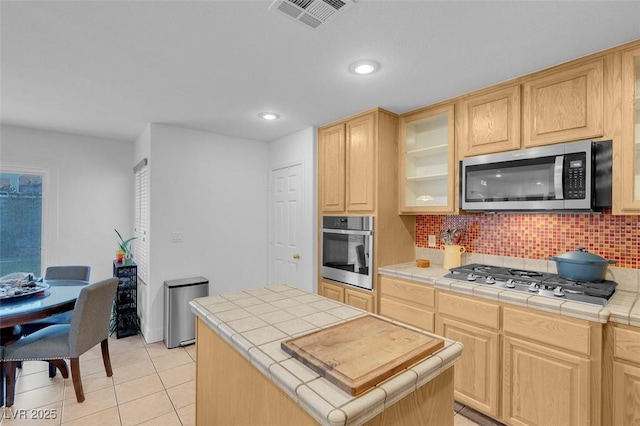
point(151, 385)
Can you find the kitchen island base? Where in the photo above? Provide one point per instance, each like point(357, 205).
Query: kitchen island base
point(230, 390)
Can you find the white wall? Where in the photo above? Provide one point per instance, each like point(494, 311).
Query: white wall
point(213, 190)
point(93, 195)
point(300, 147)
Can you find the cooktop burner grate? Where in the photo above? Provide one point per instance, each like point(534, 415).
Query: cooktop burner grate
point(534, 282)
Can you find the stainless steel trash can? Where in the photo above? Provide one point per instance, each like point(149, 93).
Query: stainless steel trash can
point(179, 321)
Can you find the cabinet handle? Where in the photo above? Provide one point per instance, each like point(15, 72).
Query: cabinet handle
point(296, 256)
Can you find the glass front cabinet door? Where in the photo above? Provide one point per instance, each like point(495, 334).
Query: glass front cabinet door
point(427, 163)
point(630, 146)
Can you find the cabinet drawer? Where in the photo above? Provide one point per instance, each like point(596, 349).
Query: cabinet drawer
point(407, 291)
point(626, 344)
point(554, 331)
point(477, 312)
point(407, 314)
point(358, 299)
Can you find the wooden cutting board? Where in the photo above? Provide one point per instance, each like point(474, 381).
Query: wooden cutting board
point(358, 354)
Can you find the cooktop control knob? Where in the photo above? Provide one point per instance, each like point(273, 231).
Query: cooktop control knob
point(490, 280)
point(558, 291)
point(534, 287)
point(510, 284)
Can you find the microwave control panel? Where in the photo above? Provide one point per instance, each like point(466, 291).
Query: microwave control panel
point(575, 176)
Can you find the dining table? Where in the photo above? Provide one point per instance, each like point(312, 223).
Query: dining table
point(59, 296)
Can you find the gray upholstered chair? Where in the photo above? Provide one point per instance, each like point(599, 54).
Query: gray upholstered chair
point(89, 326)
point(68, 272)
point(53, 274)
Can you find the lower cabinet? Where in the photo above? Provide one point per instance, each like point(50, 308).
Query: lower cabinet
point(626, 394)
point(626, 376)
point(331, 291)
point(477, 372)
point(551, 369)
point(544, 386)
point(520, 366)
point(475, 324)
point(344, 294)
point(407, 302)
point(358, 299)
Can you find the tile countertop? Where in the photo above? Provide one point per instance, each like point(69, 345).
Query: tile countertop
point(255, 321)
point(623, 308)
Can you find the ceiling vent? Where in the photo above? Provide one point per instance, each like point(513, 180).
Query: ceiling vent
point(311, 13)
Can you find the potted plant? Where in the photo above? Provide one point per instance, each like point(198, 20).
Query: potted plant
point(123, 254)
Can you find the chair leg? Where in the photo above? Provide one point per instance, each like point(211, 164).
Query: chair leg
point(10, 380)
point(52, 370)
point(106, 359)
point(61, 365)
point(77, 382)
point(1, 383)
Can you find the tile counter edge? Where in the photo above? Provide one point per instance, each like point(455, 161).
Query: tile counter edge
point(255, 321)
point(623, 308)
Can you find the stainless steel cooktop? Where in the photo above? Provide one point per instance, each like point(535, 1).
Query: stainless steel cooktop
point(535, 283)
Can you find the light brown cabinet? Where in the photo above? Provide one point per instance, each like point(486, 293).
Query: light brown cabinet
point(360, 166)
point(490, 121)
point(543, 386)
point(346, 158)
point(477, 372)
point(551, 369)
point(331, 291)
point(629, 148)
point(427, 168)
point(347, 295)
point(331, 154)
point(475, 324)
point(407, 302)
point(564, 104)
point(358, 176)
point(359, 299)
point(626, 375)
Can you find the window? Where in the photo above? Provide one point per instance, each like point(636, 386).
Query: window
point(21, 213)
point(141, 220)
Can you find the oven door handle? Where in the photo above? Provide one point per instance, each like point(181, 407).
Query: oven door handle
point(345, 231)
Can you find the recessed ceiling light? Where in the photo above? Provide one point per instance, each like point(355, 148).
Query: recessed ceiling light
point(364, 66)
point(268, 115)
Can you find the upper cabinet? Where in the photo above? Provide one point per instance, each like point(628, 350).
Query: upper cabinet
point(490, 121)
point(331, 167)
point(356, 162)
point(346, 153)
point(360, 167)
point(630, 147)
point(565, 104)
point(426, 161)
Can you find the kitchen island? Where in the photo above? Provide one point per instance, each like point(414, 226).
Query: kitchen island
point(244, 377)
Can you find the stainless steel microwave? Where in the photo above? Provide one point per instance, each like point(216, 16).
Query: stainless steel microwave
point(570, 177)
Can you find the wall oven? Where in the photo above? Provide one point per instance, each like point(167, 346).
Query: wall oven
point(574, 176)
point(347, 250)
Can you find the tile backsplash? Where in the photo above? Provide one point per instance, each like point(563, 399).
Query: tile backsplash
point(538, 236)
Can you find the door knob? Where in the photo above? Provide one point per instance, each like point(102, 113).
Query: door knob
point(296, 256)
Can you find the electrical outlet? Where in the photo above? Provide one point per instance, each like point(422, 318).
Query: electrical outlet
point(176, 237)
point(432, 240)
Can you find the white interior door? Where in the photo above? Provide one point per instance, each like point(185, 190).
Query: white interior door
point(285, 240)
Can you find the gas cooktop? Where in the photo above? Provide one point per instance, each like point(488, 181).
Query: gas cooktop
point(535, 283)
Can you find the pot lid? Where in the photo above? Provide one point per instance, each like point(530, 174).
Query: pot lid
point(580, 255)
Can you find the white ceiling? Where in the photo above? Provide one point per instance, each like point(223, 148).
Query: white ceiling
point(107, 68)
